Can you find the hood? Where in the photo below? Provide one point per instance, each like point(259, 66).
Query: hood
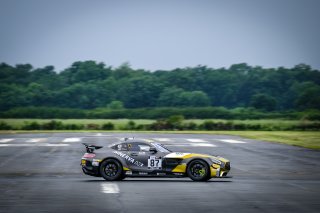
point(183, 155)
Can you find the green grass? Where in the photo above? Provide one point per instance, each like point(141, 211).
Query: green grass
point(307, 139)
point(271, 123)
point(276, 124)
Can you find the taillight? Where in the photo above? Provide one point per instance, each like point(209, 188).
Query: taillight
point(89, 155)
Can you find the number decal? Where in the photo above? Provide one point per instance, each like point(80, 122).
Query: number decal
point(154, 162)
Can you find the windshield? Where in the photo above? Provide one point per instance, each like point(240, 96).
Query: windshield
point(160, 147)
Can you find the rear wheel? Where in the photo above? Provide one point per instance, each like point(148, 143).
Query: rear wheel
point(111, 170)
point(198, 170)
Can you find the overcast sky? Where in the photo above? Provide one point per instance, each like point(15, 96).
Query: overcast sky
point(160, 34)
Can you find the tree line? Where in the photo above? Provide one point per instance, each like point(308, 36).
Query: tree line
point(93, 85)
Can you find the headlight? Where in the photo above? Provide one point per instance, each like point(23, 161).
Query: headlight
point(216, 161)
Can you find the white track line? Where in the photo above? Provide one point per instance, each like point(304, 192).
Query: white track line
point(101, 135)
point(35, 140)
point(68, 140)
point(162, 139)
point(6, 140)
point(32, 144)
point(54, 144)
point(109, 188)
point(204, 144)
point(193, 144)
point(231, 141)
point(197, 140)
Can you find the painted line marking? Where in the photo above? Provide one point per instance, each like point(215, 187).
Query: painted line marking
point(204, 144)
point(232, 141)
point(109, 188)
point(162, 139)
point(6, 140)
point(53, 144)
point(101, 135)
point(33, 144)
point(71, 140)
point(35, 140)
point(193, 144)
point(197, 140)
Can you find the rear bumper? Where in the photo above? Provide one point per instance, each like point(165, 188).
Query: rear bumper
point(88, 169)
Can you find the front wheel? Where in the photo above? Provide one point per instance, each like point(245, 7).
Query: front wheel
point(198, 170)
point(111, 170)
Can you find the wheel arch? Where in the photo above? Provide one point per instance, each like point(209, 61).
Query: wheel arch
point(197, 158)
point(111, 158)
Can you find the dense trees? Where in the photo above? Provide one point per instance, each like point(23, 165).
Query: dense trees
point(263, 101)
point(88, 85)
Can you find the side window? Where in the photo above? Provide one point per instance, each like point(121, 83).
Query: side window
point(144, 148)
point(133, 147)
point(138, 147)
point(121, 147)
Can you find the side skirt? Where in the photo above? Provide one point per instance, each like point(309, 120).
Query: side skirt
point(155, 174)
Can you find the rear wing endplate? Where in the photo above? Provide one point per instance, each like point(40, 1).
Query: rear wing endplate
point(91, 148)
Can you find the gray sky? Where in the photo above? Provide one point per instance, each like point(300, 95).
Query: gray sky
point(160, 34)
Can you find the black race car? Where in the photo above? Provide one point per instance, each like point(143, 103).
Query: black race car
point(146, 158)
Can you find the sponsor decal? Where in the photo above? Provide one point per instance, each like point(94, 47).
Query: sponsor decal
point(143, 173)
point(179, 153)
point(161, 174)
point(176, 155)
point(129, 172)
point(178, 173)
point(128, 158)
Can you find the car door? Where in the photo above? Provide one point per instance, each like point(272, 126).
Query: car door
point(148, 161)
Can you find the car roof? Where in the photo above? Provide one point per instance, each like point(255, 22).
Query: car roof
point(137, 141)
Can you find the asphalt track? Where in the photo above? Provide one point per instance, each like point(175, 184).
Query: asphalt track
point(41, 173)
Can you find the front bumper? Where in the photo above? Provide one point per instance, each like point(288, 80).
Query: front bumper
point(220, 171)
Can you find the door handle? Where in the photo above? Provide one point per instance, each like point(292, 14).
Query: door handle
point(134, 154)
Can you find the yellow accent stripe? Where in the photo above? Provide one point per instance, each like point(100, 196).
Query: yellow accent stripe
point(126, 169)
point(180, 168)
point(195, 155)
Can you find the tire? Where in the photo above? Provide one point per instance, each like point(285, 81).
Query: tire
point(198, 170)
point(111, 170)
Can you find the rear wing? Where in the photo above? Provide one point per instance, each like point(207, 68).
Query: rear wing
point(91, 148)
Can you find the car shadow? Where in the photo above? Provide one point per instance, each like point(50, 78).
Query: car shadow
point(158, 180)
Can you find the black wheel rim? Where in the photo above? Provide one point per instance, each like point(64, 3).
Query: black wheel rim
point(198, 170)
point(111, 169)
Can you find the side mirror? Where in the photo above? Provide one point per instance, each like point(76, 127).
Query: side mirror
point(153, 150)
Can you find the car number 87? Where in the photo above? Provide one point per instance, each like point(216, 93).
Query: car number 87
point(154, 162)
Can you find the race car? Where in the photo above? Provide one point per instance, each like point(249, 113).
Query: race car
point(146, 158)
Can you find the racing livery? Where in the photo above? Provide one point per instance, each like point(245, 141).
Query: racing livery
point(143, 158)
